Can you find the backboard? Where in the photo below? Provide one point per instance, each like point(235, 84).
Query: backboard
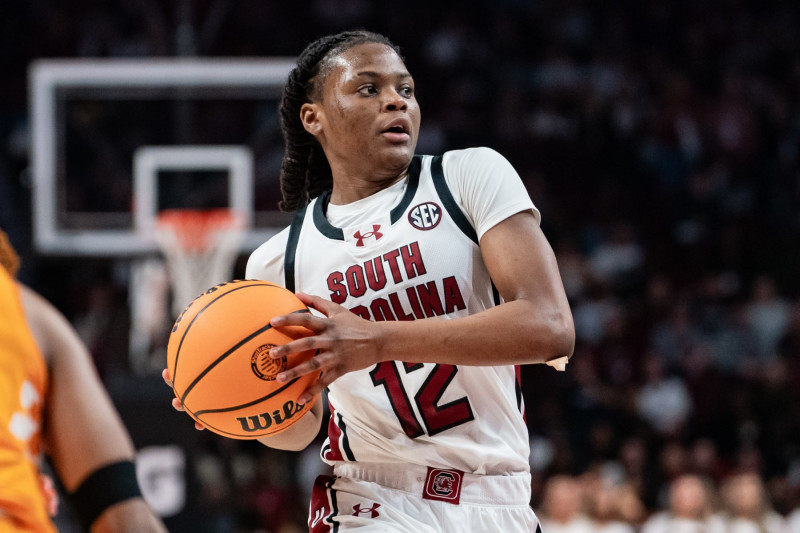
point(115, 141)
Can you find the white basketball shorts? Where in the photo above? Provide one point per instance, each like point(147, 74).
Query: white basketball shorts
point(401, 498)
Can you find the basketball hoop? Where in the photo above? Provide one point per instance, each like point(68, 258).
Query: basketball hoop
point(200, 247)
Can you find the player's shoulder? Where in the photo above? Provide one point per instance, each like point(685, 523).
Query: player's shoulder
point(476, 154)
point(266, 261)
point(474, 162)
point(48, 326)
point(37, 309)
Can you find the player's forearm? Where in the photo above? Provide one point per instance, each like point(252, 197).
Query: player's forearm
point(300, 435)
point(130, 516)
point(517, 332)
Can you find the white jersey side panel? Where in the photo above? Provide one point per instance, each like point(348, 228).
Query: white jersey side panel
point(417, 260)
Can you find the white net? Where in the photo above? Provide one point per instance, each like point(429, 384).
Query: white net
point(200, 248)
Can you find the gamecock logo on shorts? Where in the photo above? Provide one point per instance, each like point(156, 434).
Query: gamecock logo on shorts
point(264, 366)
point(443, 485)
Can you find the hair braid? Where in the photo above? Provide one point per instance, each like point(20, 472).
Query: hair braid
point(305, 172)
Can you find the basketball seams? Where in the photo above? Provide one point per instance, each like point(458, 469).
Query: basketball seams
point(228, 352)
point(216, 341)
point(174, 373)
point(221, 358)
point(248, 404)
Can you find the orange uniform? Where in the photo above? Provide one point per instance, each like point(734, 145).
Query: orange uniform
point(23, 385)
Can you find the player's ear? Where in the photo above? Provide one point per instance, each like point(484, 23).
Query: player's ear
point(310, 117)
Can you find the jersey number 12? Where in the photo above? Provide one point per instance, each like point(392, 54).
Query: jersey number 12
point(435, 417)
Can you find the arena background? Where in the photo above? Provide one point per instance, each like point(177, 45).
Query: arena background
point(660, 139)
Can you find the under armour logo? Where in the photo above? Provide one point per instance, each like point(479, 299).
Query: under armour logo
point(373, 511)
point(359, 237)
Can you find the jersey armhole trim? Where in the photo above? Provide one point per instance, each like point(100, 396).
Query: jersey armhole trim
point(321, 222)
point(291, 247)
point(411, 189)
point(437, 173)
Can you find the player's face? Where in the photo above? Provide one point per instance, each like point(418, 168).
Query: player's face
point(367, 120)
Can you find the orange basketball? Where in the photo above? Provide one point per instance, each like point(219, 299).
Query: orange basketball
point(218, 360)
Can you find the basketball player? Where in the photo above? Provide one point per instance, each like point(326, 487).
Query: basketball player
point(51, 399)
point(430, 282)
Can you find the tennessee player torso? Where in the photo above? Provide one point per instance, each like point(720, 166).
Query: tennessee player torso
point(23, 382)
point(411, 252)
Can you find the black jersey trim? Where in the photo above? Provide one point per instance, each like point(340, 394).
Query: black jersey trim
point(461, 220)
point(437, 173)
point(411, 189)
point(321, 222)
point(291, 247)
point(332, 232)
point(345, 441)
point(333, 518)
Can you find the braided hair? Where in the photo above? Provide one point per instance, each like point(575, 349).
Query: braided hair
point(305, 171)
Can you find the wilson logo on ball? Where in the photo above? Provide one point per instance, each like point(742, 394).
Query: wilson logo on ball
point(264, 367)
point(425, 216)
point(265, 420)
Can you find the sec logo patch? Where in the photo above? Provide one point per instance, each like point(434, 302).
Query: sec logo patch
point(425, 216)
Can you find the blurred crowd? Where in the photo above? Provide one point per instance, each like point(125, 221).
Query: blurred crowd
point(661, 141)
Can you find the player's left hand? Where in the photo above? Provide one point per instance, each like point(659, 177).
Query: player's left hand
point(344, 342)
point(176, 403)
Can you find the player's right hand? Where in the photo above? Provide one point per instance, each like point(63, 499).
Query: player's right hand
point(342, 341)
point(176, 403)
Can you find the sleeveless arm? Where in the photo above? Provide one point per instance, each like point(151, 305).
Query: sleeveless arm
point(83, 430)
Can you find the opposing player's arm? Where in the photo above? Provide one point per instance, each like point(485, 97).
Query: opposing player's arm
point(83, 432)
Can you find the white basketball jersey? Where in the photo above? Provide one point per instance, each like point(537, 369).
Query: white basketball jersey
point(411, 252)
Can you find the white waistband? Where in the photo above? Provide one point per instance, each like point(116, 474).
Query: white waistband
point(509, 490)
